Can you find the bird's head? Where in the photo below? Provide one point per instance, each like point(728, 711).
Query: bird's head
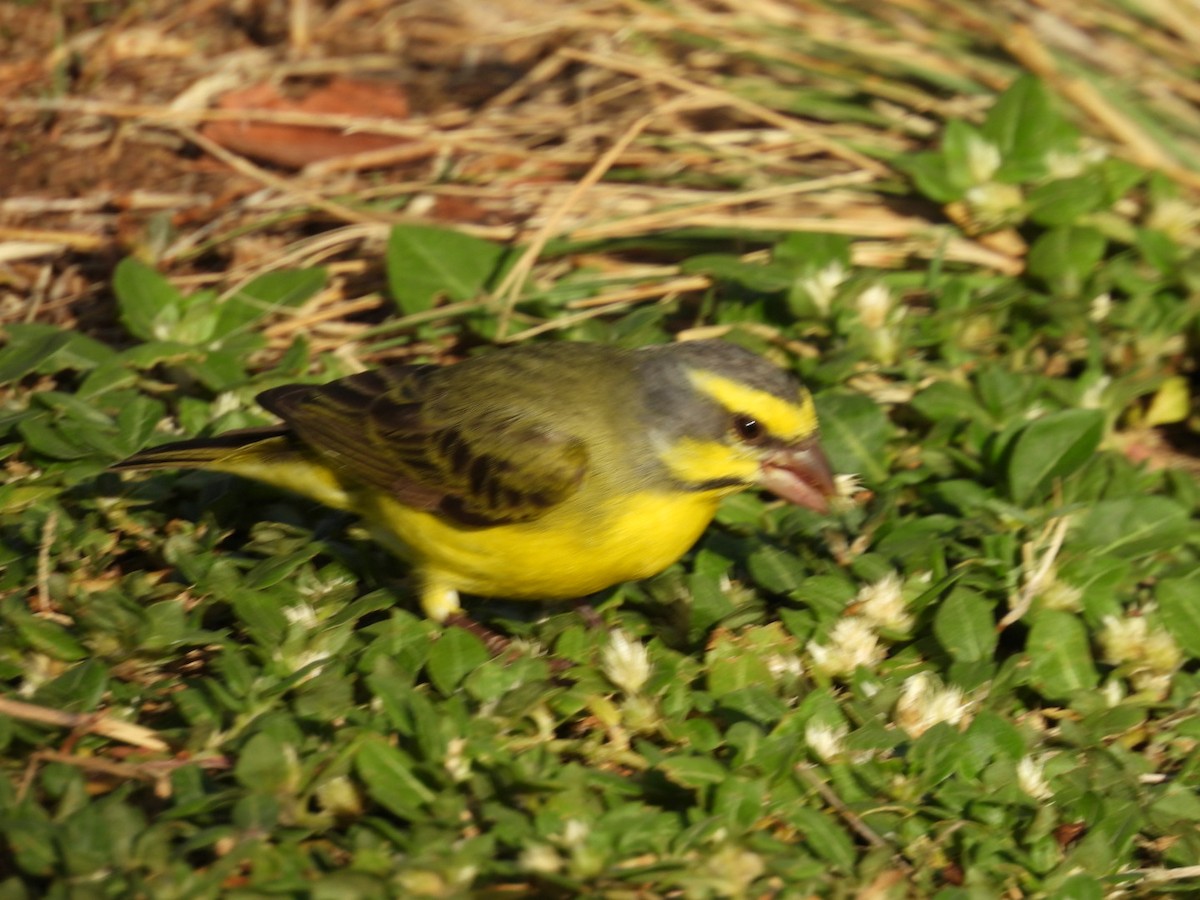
point(724, 419)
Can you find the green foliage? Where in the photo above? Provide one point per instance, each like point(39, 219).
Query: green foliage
point(1065, 257)
point(425, 263)
point(1051, 448)
point(152, 309)
point(982, 669)
point(1016, 144)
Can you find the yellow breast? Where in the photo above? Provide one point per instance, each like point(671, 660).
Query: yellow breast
point(599, 537)
point(572, 551)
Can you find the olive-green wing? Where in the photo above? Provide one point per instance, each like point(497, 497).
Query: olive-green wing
point(475, 462)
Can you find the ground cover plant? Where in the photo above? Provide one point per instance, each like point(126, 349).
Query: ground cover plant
point(975, 235)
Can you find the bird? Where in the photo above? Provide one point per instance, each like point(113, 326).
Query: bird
point(541, 471)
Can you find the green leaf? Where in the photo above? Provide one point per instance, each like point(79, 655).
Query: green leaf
point(1079, 887)
point(220, 370)
point(939, 754)
point(776, 570)
point(48, 637)
point(821, 833)
point(947, 401)
point(709, 604)
point(966, 496)
point(727, 267)
point(137, 422)
point(456, 654)
point(1179, 601)
point(264, 295)
point(27, 353)
point(149, 304)
point(1103, 581)
point(256, 813)
point(1064, 258)
point(1062, 201)
point(854, 432)
point(755, 702)
point(31, 839)
point(266, 764)
point(966, 626)
point(1052, 447)
point(1025, 125)
point(809, 251)
point(197, 322)
point(1060, 655)
point(932, 177)
point(959, 145)
point(742, 801)
point(991, 735)
point(86, 841)
point(1003, 394)
point(1134, 526)
point(693, 771)
point(16, 498)
point(259, 612)
point(731, 668)
point(424, 262)
point(111, 375)
point(1113, 824)
point(154, 353)
point(34, 347)
point(80, 688)
point(47, 439)
point(1120, 177)
point(945, 175)
point(69, 407)
point(388, 774)
point(275, 569)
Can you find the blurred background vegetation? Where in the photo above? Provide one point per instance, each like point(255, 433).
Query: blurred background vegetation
point(972, 229)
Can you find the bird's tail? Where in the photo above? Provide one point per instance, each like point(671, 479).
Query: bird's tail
point(222, 452)
point(270, 455)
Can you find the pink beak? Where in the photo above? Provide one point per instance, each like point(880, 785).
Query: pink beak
point(800, 475)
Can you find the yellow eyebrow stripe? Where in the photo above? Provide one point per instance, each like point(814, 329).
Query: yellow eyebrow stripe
point(789, 421)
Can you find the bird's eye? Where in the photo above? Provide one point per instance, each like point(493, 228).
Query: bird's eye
point(748, 428)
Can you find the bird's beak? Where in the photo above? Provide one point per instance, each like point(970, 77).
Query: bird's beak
point(799, 474)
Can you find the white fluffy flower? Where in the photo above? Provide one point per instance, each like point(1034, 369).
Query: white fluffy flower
point(852, 643)
point(626, 662)
point(925, 701)
point(1031, 778)
point(822, 285)
point(983, 159)
point(826, 740)
point(882, 604)
point(874, 306)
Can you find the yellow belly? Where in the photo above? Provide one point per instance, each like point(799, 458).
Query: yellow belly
point(596, 539)
point(570, 552)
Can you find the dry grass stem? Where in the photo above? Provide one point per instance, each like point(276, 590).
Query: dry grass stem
point(94, 723)
point(769, 117)
point(510, 287)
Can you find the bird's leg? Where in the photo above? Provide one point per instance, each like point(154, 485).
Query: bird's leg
point(588, 613)
point(495, 642)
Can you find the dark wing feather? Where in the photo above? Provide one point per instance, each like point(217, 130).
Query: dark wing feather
point(481, 463)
